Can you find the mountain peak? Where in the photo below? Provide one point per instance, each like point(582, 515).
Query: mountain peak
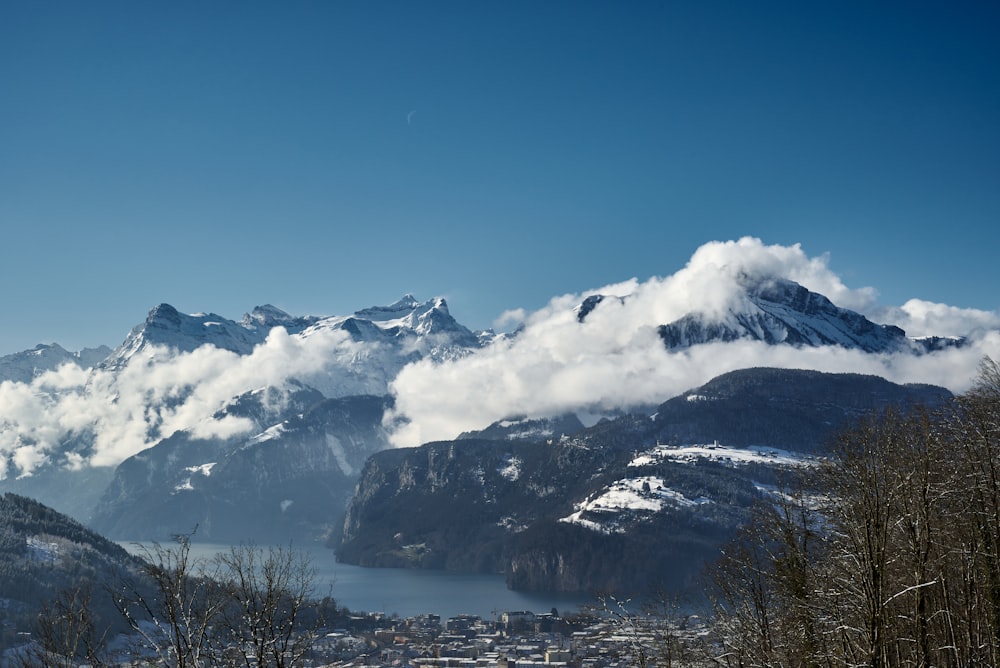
point(166, 326)
point(776, 310)
point(28, 364)
point(163, 315)
point(268, 316)
point(398, 309)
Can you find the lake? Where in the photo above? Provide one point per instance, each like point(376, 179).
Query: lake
point(408, 592)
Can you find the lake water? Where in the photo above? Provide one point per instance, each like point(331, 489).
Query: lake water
point(407, 592)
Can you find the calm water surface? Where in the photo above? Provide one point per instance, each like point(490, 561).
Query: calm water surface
point(407, 592)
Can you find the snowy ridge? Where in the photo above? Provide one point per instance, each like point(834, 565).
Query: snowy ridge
point(385, 339)
point(27, 365)
point(267, 317)
point(166, 326)
point(723, 454)
point(406, 318)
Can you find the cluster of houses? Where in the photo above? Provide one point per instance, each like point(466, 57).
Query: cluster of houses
point(512, 640)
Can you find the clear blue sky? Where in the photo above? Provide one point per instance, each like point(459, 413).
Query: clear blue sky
point(327, 156)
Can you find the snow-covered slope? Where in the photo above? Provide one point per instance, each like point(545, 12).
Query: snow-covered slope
point(166, 326)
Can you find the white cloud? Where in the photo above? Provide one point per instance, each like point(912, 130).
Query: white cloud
point(923, 318)
point(157, 393)
point(614, 359)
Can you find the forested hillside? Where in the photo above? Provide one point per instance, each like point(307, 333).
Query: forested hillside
point(42, 553)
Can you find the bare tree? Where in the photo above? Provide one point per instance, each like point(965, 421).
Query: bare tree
point(974, 431)
point(763, 588)
point(900, 564)
point(174, 605)
point(65, 634)
point(270, 591)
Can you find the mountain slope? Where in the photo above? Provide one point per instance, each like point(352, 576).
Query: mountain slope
point(784, 408)
point(43, 552)
point(606, 507)
point(288, 480)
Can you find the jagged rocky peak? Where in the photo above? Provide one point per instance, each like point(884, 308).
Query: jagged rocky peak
point(409, 314)
point(587, 306)
point(397, 309)
point(166, 326)
point(777, 310)
point(269, 316)
point(405, 307)
point(165, 316)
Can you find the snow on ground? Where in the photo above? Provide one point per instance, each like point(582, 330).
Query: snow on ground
point(339, 454)
point(511, 470)
point(268, 434)
point(722, 453)
point(40, 550)
point(644, 495)
point(202, 469)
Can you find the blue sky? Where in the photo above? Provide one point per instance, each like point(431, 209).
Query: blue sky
point(327, 156)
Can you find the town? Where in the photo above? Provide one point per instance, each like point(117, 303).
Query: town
point(609, 638)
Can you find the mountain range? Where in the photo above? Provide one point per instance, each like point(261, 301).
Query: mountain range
point(278, 427)
point(301, 435)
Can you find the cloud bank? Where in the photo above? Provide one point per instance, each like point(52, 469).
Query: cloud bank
point(614, 359)
point(111, 416)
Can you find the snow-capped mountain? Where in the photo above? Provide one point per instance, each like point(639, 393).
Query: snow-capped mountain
point(779, 311)
point(267, 316)
point(386, 337)
point(166, 326)
point(169, 407)
point(169, 367)
point(424, 328)
point(24, 366)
